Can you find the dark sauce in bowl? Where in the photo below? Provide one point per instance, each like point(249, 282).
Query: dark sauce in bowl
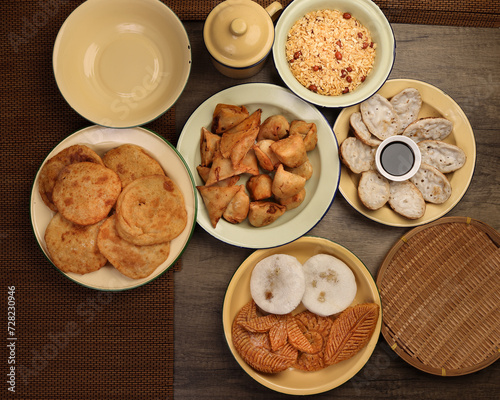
point(397, 158)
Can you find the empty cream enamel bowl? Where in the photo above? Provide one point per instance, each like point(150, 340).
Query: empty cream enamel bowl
point(365, 12)
point(121, 63)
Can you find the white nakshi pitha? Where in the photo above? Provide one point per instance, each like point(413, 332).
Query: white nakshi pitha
point(407, 105)
point(277, 284)
point(330, 285)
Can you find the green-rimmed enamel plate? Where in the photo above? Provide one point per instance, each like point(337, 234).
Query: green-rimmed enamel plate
point(101, 140)
point(320, 188)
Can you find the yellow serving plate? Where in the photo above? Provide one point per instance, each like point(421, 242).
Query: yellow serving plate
point(293, 381)
point(435, 103)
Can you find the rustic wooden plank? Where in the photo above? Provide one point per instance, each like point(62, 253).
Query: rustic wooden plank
point(461, 61)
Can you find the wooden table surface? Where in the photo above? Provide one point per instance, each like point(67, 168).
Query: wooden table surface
point(464, 63)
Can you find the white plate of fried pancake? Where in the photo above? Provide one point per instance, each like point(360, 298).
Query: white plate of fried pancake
point(75, 195)
point(320, 188)
point(295, 380)
point(435, 106)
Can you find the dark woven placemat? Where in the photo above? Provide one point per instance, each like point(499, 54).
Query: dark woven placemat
point(477, 13)
point(72, 342)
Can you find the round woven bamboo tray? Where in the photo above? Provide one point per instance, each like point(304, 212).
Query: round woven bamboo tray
point(440, 292)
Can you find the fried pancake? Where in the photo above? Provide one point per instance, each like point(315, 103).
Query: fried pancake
point(151, 210)
point(51, 169)
point(130, 162)
point(85, 192)
point(73, 248)
point(131, 260)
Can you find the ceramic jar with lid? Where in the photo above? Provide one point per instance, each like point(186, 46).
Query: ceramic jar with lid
point(239, 35)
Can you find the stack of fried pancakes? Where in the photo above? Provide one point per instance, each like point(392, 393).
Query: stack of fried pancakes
point(121, 208)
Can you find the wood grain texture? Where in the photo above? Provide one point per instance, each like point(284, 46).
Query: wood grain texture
point(463, 62)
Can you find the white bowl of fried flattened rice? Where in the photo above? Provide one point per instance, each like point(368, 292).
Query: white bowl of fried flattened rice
point(334, 53)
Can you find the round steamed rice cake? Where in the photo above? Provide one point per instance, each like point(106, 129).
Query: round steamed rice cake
point(277, 283)
point(330, 285)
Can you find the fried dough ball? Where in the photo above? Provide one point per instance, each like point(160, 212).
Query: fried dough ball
point(260, 186)
point(307, 130)
point(304, 170)
point(263, 213)
point(274, 127)
point(293, 202)
point(291, 151)
point(266, 157)
point(286, 184)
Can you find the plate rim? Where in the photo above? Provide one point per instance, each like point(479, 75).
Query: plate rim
point(412, 223)
point(286, 92)
point(57, 43)
point(34, 191)
point(305, 239)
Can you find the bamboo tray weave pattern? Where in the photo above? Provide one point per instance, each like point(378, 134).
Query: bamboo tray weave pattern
point(440, 291)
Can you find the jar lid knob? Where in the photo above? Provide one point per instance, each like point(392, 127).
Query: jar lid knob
point(238, 26)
